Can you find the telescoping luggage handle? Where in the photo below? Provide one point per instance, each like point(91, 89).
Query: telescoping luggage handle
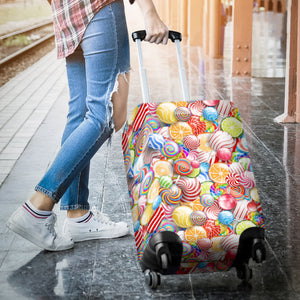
point(176, 38)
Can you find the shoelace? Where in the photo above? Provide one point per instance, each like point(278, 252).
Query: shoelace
point(50, 222)
point(99, 216)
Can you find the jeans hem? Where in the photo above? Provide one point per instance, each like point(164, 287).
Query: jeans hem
point(46, 192)
point(76, 206)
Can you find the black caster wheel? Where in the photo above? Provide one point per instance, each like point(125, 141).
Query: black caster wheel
point(164, 262)
point(259, 252)
point(244, 273)
point(152, 279)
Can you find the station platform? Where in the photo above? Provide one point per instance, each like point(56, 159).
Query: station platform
point(33, 109)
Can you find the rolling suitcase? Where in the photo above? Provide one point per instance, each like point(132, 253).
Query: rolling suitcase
point(194, 204)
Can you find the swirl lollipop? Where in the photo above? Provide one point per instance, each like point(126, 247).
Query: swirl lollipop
point(171, 196)
point(142, 140)
point(146, 183)
point(182, 113)
point(170, 149)
point(183, 167)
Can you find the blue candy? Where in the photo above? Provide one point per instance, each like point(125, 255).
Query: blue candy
point(226, 217)
point(210, 113)
point(156, 141)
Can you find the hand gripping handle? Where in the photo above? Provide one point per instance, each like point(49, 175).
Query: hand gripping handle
point(141, 34)
point(175, 37)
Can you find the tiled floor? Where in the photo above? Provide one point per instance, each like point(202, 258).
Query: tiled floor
point(109, 270)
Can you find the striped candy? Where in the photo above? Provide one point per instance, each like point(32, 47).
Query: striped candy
point(156, 219)
point(140, 117)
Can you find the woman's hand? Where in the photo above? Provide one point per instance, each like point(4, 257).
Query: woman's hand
point(156, 30)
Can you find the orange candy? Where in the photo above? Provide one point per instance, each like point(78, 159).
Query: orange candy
point(218, 172)
point(193, 234)
point(179, 130)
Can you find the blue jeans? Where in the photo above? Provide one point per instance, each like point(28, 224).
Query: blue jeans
point(92, 71)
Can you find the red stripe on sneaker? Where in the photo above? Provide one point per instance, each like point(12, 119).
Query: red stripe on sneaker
point(89, 217)
point(34, 214)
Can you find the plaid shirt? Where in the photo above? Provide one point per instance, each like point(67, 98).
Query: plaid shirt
point(71, 18)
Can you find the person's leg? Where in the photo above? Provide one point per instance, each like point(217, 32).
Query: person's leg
point(76, 196)
point(97, 47)
point(102, 51)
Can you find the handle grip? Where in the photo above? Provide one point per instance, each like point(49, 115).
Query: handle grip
point(141, 34)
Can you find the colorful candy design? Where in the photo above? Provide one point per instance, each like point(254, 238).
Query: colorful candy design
point(226, 217)
point(190, 187)
point(191, 142)
point(166, 181)
point(179, 130)
point(189, 172)
point(207, 200)
point(247, 180)
point(195, 233)
point(198, 218)
point(182, 114)
point(156, 141)
point(196, 108)
point(146, 183)
point(210, 113)
point(171, 196)
point(170, 149)
point(154, 123)
point(142, 140)
point(182, 216)
point(227, 202)
point(221, 139)
point(165, 112)
point(232, 126)
point(197, 125)
point(183, 167)
point(218, 172)
point(163, 167)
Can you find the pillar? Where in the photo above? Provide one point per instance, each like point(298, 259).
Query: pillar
point(242, 37)
point(183, 10)
point(298, 70)
point(195, 23)
point(292, 85)
point(215, 28)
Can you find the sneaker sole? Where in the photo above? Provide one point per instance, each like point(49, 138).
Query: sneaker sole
point(97, 236)
point(19, 230)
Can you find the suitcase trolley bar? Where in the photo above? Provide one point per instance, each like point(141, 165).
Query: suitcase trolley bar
point(164, 251)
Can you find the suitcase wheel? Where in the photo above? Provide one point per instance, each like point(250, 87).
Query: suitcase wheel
point(244, 272)
point(259, 250)
point(152, 279)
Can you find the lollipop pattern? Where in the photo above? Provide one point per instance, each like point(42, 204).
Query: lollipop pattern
point(188, 174)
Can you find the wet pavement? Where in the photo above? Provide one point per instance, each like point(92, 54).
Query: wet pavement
point(109, 269)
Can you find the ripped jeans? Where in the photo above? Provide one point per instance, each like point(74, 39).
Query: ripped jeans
point(92, 71)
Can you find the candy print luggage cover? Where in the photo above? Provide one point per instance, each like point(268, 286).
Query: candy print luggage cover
point(189, 172)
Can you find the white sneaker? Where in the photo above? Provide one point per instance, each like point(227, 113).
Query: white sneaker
point(97, 226)
point(40, 232)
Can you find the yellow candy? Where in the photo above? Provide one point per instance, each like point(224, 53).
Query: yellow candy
point(136, 193)
point(133, 115)
point(153, 191)
point(163, 168)
point(193, 234)
point(165, 112)
point(217, 244)
point(254, 195)
point(181, 216)
point(135, 213)
point(204, 142)
point(147, 214)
